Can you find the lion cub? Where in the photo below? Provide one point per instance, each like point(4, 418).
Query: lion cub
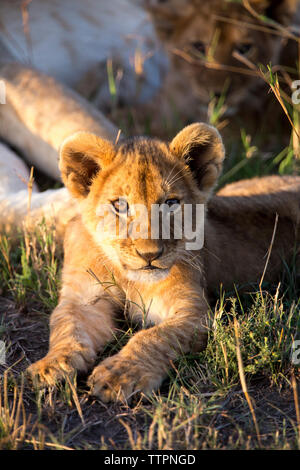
point(161, 281)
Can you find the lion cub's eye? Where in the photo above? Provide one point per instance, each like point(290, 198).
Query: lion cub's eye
point(173, 203)
point(120, 206)
point(244, 49)
point(199, 46)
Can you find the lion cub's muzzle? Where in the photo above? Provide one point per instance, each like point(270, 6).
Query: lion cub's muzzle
point(149, 263)
point(150, 257)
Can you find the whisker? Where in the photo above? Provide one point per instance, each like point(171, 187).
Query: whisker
point(166, 180)
point(172, 181)
point(211, 253)
point(177, 179)
point(195, 266)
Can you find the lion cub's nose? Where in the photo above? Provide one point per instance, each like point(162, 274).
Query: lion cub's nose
point(150, 256)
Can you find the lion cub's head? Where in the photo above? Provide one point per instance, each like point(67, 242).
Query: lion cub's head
point(118, 187)
point(215, 44)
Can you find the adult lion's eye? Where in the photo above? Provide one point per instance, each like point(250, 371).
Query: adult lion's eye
point(120, 206)
point(173, 203)
point(244, 49)
point(199, 46)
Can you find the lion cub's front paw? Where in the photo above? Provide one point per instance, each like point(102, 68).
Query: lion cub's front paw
point(118, 378)
point(49, 371)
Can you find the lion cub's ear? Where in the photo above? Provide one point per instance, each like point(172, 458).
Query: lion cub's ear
point(281, 11)
point(202, 148)
point(82, 156)
point(168, 15)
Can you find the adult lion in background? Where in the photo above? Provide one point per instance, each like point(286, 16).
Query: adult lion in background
point(72, 41)
point(210, 45)
point(215, 47)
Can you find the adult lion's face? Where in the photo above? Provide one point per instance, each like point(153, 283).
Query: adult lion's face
point(126, 190)
point(216, 44)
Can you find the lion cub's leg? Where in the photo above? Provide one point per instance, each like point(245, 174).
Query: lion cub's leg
point(77, 334)
point(143, 363)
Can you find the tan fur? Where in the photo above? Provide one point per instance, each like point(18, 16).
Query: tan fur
point(27, 125)
point(72, 40)
point(25, 121)
point(97, 275)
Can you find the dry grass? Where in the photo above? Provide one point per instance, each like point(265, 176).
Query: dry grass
point(206, 401)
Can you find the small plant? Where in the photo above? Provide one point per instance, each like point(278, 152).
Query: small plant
point(32, 268)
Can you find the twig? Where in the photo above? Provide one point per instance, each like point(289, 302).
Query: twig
point(276, 25)
point(76, 400)
point(118, 136)
point(269, 254)
point(243, 380)
point(296, 400)
point(29, 187)
point(284, 32)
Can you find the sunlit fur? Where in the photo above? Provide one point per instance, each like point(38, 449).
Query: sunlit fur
point(102, 277)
